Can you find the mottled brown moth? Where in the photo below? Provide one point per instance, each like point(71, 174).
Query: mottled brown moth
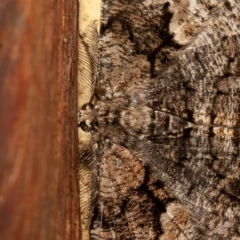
point(165, 134)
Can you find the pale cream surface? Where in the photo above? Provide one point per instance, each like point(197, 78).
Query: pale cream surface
point(89, 12)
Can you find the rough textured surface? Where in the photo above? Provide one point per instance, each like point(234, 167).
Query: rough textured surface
point(166, 130)
point(38, 125)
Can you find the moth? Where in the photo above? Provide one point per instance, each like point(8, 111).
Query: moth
point(165, 143)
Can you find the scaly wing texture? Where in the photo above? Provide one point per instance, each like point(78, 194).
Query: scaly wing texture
point(180, 58)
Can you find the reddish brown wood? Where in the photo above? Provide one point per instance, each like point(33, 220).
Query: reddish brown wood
point(38, 127)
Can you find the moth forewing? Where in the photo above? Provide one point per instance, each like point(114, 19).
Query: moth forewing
point(167, 142)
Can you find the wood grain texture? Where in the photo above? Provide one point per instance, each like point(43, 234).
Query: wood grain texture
point(38, 127)
point(166, 130)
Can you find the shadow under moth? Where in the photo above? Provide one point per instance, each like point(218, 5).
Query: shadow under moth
point(165, 145)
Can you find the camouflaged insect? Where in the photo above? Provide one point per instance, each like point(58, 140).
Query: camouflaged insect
point(165, 133)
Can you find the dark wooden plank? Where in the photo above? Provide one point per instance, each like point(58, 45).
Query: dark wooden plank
point(38, 127)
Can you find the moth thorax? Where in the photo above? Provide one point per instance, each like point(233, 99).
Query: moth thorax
point(137, 120)
point(107, 113)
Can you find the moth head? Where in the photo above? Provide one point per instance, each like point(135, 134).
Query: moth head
point(86, 117)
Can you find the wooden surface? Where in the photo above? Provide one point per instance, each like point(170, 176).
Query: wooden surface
point(38, 127)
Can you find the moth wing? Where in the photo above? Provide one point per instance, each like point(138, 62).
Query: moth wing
point(192, 180)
